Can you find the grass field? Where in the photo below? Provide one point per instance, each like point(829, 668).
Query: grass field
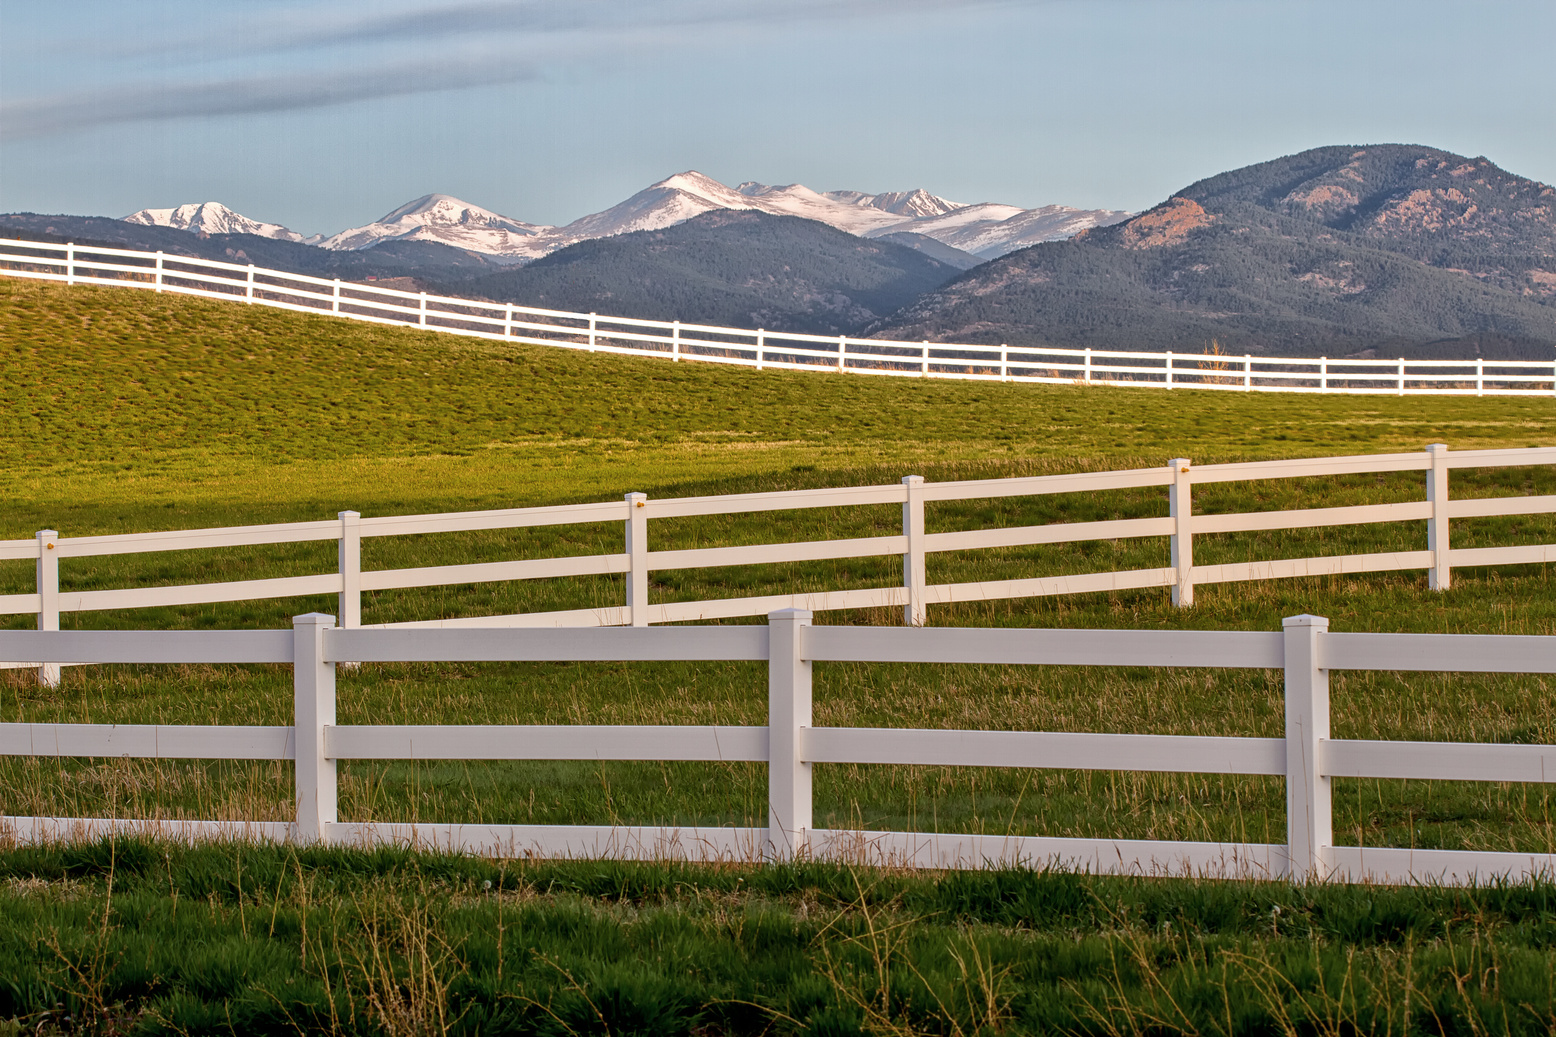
point(248, 940)
point(128, 411)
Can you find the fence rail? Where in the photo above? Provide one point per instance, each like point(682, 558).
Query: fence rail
point(1307, 757)
point(914, 595)
point(759, 348)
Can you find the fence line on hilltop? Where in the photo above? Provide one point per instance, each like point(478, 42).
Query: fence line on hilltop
point(760, 348)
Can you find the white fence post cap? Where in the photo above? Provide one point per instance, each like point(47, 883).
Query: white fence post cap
point(790, 614)
point(313, 619)
point(1305, 620)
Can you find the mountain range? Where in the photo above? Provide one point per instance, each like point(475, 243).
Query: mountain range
point(982, 230)
point(1391, 250)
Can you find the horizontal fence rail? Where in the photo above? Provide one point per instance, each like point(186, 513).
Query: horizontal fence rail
point(1306, 757)
point(760, 348)
point(638, 560)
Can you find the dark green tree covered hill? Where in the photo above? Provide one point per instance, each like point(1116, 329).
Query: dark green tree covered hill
point(743, 268)
point(1388, 250)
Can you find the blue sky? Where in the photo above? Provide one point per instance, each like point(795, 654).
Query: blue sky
point(327, 114)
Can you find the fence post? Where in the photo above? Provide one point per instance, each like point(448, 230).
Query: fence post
point(1248, 371)
point(761, 335)
point(1169, 369)
point(1323, 373)
point(675, 341)
point(422, 317)
point(915, 612)
point(1437, 526)
point(592, 318)
point(70, 263)
point(1004, 361)
point(1401, 376)
point(1309, 822)
point(48, 599)
point(637, 559)
point(1088, 365)
point(1181, 507)
point(788, 718)
point(248, 291)
point(924, 365)
point(507, 321)
point(313, 710)
point(350, 559)
point(1480, 377)
point(159, 270)
point(842, 352)
point(335, 300)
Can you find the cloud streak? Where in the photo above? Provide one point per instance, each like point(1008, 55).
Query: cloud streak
point(250, 95)
point(423, 22)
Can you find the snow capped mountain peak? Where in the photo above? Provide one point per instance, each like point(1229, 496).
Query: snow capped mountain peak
point(426, 203)
point(672, 200)
point(915, 203)
point(693, 182)
point(446, 219)
point(210, 218)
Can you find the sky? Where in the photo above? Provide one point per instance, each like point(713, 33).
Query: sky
point(327, 114)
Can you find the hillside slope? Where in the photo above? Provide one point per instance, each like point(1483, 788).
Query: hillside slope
point(742, 268)
point(111, 376)
point(1391, 250)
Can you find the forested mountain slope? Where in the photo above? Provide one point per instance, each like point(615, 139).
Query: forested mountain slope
point(743, 268)
point(1386, 250)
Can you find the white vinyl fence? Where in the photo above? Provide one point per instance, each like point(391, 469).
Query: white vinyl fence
point(914, 595)
point(759, 348)
point(1307, 757)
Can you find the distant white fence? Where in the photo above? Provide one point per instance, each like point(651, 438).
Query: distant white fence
point(915, 594)
point(1307, 757)
point(674, 340)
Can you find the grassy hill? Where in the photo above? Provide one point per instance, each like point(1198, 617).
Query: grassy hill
point(132, 411)
point(1390, 250)
point(123, 402)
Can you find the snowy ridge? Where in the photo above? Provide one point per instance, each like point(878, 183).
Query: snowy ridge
point(986, 230)
point(211, 218)
point(990, 231)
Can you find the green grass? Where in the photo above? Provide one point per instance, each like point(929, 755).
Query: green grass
point(163, 939)
point(130, 412)
point(125, 408)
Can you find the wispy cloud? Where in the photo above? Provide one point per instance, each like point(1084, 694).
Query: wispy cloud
point(248, 95)
point(372, 45)
point(343, 25)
